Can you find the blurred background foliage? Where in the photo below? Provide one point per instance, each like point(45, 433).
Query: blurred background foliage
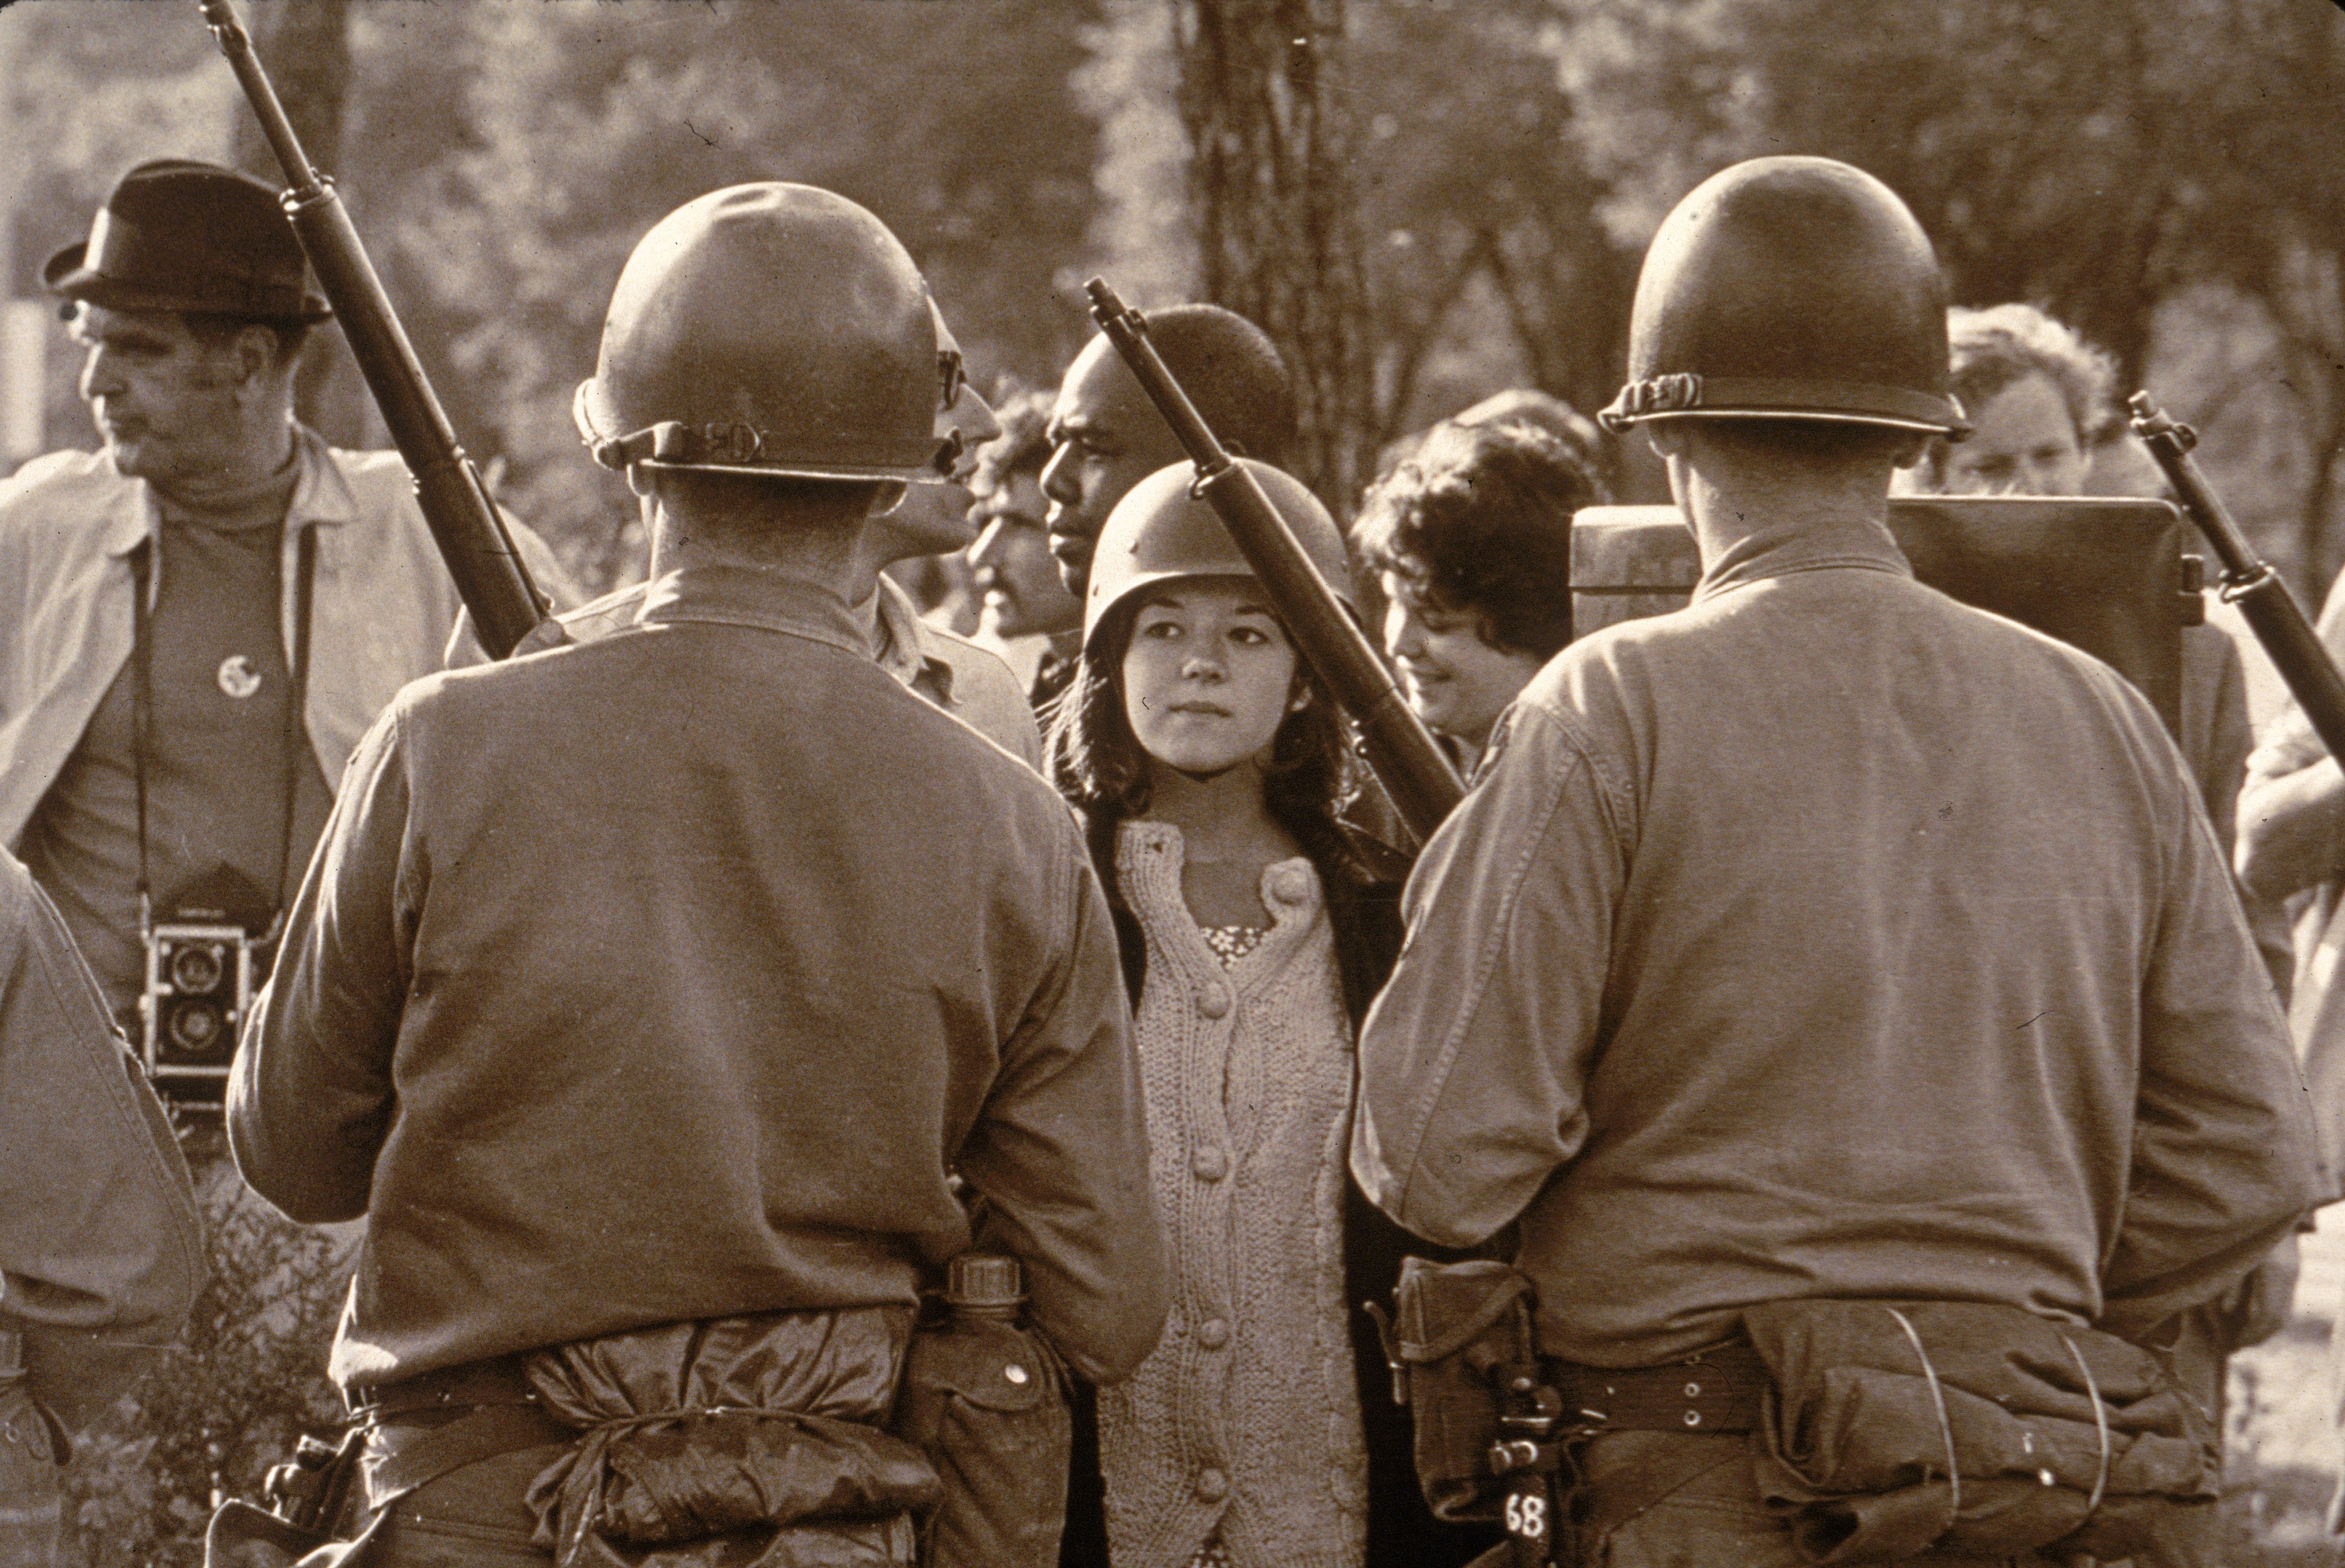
point(1424, 200)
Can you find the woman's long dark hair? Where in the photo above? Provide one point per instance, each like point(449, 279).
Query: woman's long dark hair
point(1097, 763)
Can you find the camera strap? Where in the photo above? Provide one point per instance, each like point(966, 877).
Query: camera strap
point(142, 704)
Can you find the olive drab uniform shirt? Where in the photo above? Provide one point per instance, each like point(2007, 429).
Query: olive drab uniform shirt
point(622, 992)
point(1828, 938)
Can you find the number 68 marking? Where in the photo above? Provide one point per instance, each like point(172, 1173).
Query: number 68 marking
point(1526, 1515)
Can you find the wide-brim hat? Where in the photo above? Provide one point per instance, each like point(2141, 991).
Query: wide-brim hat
point(179, 235)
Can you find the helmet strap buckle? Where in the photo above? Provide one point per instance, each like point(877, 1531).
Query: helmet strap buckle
point(737, 442)
point(1655, 394)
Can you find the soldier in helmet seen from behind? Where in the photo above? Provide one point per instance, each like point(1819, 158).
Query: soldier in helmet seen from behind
point(966, 680)
point(1837, 988)
point(619, 1002)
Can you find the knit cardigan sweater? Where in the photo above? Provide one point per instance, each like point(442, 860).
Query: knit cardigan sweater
point(1246, 1417)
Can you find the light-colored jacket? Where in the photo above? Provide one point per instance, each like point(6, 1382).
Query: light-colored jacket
point(381, 609)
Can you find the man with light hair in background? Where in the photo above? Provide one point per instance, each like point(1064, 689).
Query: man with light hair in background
point(2045, 400)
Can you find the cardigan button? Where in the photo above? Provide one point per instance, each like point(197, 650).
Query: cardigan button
point(1210, 1163)
point(1213, 1485)
point(1213, 1333)
point(1214, 1001)
point(1291, 885)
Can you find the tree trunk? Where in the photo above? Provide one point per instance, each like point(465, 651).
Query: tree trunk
point(1278, 234)
point(304, 47)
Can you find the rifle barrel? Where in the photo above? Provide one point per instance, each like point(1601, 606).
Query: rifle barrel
point(490, 575)
point(2278, 622)
point(1415, 773)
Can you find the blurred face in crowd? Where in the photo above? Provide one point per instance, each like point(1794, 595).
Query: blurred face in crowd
point(1105, 438)
point(166, 402)
point(933, 519)
point(2025, 444)
point(1457, 683)
point(1208, 675)
point(1016, 575)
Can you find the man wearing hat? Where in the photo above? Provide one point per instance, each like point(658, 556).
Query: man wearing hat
point(650, 994)
point(209, 609)
point(1840, 989)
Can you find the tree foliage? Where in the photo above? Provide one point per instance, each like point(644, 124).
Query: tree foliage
point(1430, 199)
point(954, 124)
point(230, 1400)
point(1270, 134)
point(306, 49)
point(1481, 212)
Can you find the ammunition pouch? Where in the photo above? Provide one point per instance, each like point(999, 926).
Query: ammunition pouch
point(1452, 1331)
point(1489, 1438)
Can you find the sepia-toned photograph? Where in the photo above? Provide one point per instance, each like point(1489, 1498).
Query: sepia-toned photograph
point(1171, 783)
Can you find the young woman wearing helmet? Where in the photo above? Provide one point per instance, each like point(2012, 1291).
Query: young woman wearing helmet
point(1212, 769)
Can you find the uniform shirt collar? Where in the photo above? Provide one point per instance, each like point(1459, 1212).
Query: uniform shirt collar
point(1779, 549)
point(897, 642)
point(744, 597)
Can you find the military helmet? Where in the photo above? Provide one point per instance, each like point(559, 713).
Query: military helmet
point(773, 330)
point(1789, 288)
point(1161, 530)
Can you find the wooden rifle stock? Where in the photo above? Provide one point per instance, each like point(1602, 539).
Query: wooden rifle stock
point(2277, 620)
point(490, 575)
point(1411, 766)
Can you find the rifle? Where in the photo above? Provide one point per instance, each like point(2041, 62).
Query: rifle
point(490, 577)
point(2277, 620)
point(1411, 768)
